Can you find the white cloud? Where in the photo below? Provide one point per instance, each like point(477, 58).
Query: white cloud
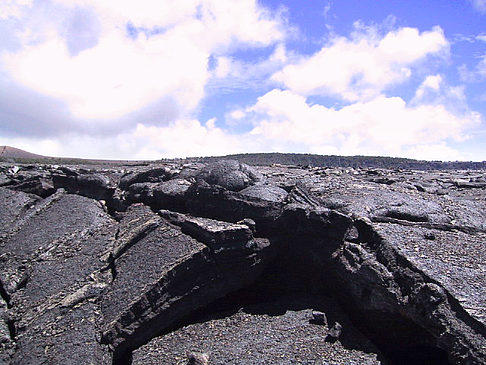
point(437, 152)
point(237, 114)
point(223, 67)
point(231, 73)
point(479, 5)
point(101, 70)
point(327, 8)
point(364, 65)
point(115, 77)
point(285, 122)
point(478, 73)
point(380, 126)
point(13, 8)
point(481, 67)
point(250, 70)
point(430, 83)
point(186, 138)
point(481, 37)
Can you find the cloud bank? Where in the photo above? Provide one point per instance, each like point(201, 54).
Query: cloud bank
point(105, 60)
point(124, 79)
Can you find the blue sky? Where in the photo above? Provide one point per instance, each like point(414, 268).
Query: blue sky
point(156, 78)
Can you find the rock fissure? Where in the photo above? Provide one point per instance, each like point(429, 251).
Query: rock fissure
point(436, 226)
point(417, 298)
point(4, 295)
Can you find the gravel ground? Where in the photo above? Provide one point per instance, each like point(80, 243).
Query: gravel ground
point(271, 333)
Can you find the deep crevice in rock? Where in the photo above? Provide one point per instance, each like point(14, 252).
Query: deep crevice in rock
point(418, 355)
point(299, 271)
point(305, 265)
point(5, 296)
point(11, 329)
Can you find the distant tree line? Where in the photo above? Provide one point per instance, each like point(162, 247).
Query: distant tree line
point(266, 159)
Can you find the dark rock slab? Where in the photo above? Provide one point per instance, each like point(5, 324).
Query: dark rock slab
point(417, 270)
point(96, 186)
point(229, 174)
point(13, 205)
point(7, 338)
point(164, 274)
point(38, 185)
point(456, 260)
point(218, 235)
point(64, 266)
point(56, 221)
point(151, 175)
point(51, 277)
point(270, 193)
point(4, 180)
point(171, 194)
point(58, 337)
point(385, 271)
point(141, 193)
point(146, 248)
point(213, 201)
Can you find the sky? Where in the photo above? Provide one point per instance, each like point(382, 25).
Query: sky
point(150, 79)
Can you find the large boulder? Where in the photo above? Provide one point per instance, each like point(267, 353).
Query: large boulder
point(230, 174)
point(151, 175)
point(266, 192)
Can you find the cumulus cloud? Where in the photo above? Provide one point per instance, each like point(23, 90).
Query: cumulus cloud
point(199, 139)
point(107, 59)
point(432, 82)
point(115, 77)
point(380, 126)
point(363, 65)
point(13, 8)
point(144, 142)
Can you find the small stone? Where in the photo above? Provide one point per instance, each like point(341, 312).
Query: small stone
point(352, 234)
point(429, 236)
point(335, 331)
point(319, 318)
point(14, 170)
point(250, 223)
point(198, 358)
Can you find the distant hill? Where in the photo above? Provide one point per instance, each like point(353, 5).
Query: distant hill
point(14, 153)
point(263, 159)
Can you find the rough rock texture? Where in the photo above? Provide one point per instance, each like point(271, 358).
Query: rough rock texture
point(268, 333)
point(223, 263)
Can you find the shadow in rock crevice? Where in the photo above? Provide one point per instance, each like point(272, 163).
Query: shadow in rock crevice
point(299, 279)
